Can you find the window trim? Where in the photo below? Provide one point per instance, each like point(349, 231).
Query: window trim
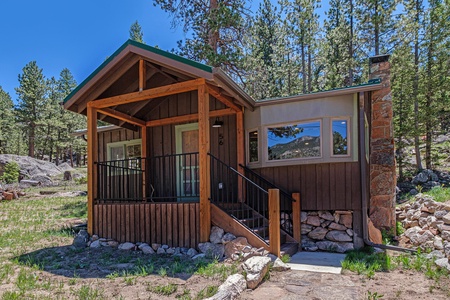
point(298, 122)
point(349, 139)
point(247, 138)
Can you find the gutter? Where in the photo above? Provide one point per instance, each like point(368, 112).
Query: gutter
point(364, 198)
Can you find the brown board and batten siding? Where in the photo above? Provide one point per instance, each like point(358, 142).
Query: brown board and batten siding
point(325, 186)
point(173, 224)
point(116, 135)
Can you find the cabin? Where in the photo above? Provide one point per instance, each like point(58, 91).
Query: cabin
point(188, 148)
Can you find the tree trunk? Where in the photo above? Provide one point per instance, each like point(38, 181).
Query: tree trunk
point(415, 92)
point(31, 136)
point(302, 49)
point(350, 47)
point(429, 97)
point(376, 30)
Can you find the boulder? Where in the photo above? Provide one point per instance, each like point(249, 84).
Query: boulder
point(303, 216)
point(305, 228)
point(236, 246)
point(256, 268)
point(191, 252)
point(212, 250)
point(228, 237)
point(216, 235)
point(374, 233)
point(127, 246)
point(160, 251)
point(346, 220)
point(446, 219)
point(81, 239)
point(318, 233)
point(156, 246)
point(336, 226)
point(231, 288)
point(338, 236)
point(313, 220)
point(443, 263)
point(95, 244)
point(146, 249)
point(334, 246)
point(326, 215)
point(280, 266)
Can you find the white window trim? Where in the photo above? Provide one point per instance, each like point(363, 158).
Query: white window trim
point(281, 161)
point(349, 139)
point(247, 141)
point(123, 144)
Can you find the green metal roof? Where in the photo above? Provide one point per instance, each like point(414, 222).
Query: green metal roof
point(369, 83)
point(178, 58)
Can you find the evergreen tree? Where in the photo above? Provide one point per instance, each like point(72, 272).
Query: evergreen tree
point(7, 121)
point(31, 101)
point(136, 33)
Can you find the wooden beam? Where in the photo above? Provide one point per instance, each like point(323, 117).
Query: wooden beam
point(144, 161)
point(296, 218)
point(142, 76)
point(274, 222)
point(161, 91)
point(92, 159)
point(189, 118)
point(121, 116)
point(240, 151)
point(203, 149)
point(216, 93)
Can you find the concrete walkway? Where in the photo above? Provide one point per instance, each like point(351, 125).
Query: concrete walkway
point(321, 262)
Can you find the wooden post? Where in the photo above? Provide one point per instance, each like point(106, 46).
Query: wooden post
point(142, 75)
point(204, 163)
point(92, 159)
point(240, 153)
point(144, 161)
point(296, 218)
point(274, 222)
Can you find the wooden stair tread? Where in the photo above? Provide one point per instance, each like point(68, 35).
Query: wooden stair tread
point(289, 248)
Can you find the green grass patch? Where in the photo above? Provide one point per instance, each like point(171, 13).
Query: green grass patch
point(87, 292)
point(207, 292)
point(439, 193)
point(215, 270)
point(165, 290)
point(367, 262)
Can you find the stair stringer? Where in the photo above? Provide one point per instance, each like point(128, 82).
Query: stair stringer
point(229, 224)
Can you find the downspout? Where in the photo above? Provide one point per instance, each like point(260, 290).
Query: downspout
point(364, 199)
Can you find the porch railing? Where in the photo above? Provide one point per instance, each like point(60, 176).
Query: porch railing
point(240, 197)
point(168, 178)
point(286, 200)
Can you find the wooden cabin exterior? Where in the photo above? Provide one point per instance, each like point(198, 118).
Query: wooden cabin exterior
point(190, 148)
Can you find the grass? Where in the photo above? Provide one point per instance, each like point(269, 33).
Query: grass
point(216, 270)
point(439, 193)
point(166, 290)
point(367, 262)
point(207, 292)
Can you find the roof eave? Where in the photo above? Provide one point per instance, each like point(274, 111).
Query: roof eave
point(317, 95)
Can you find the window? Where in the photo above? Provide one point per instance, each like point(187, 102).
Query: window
point(340, 141)
point(301, 140)
point(253, 146)
point(126, 150)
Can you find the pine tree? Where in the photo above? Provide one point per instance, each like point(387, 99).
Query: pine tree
point(136, 33)
point(6, 121)
point(31, 96)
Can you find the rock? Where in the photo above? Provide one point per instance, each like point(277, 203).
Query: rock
point(42, 179)
point(280, 266)
point(338, 236)
point(440, 214)
point(442, 227)
point(170, 251)
point(216, 235)
point(127, 246)
point(446, 219)
point(160, 251)
point(114, 244)
point(358, 242)
point(156, 246)
point(349, 232)
point(146, 249)
point(318, 233)
point(94, 237)
point(305, 228)
point(235, 246)
point(191, 252)
point(313, 220)
point(326, 215)
point(374, 233)
point(81, 239)
point(212, 250)
point(228, 237)
point(443, 263)
point(256, 268)
point(231, 288)
point(334, 246)
point(437, 243)
point(303, 216)
point(435, 255)
point(422, 177)
point(336, 226)
point(165, 247)
point(445, 235)
point(201, 255)
point(67, 176)
point(346, 220)
point(95, 244)
point(413, 192)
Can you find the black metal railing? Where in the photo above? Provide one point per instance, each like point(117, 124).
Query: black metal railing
point(173, 177)
point(168, 178)
point(240, 197)
point(285, 199)
point(120, 180)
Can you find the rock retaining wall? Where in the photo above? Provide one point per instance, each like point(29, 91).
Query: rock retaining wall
point(327, 231)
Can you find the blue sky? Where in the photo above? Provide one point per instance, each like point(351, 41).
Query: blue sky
point(78, 35)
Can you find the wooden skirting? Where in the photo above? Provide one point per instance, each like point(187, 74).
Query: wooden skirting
point(174, 224)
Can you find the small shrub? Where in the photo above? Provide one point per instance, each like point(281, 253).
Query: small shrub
point(11, 172)
point(165, 290)
point(81, 180)
point(373, 296)
point(285, 258)
point(207, 292)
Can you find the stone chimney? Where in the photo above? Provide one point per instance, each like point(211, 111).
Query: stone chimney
point(382, 160)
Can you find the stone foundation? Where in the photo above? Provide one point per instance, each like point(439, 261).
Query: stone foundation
point(327, 231)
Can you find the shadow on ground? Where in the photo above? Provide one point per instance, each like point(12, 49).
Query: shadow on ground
point(72, 262)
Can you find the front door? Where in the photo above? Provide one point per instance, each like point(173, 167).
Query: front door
point(188, 183)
